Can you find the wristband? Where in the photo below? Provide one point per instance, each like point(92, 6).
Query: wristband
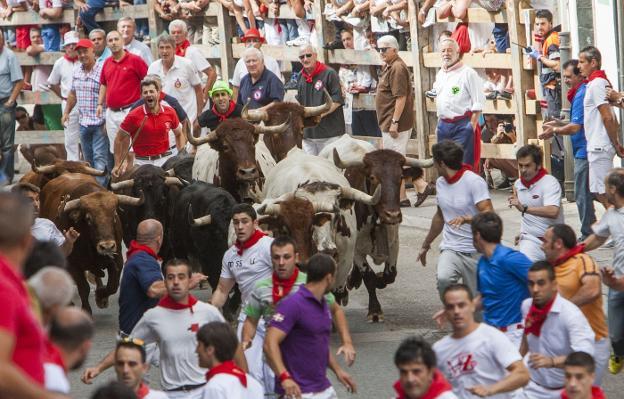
point(524, 209)
point(285, 376)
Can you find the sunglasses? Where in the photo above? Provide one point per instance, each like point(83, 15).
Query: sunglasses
point(303, 56)
point(383, 49)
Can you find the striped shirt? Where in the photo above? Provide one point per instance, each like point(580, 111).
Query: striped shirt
point(86, 87)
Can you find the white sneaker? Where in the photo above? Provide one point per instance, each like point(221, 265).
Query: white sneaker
point(430, 19)
point(300, 41)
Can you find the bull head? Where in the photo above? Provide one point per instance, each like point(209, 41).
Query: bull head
point(122, 199)
point(212, 136)
point(418, 163)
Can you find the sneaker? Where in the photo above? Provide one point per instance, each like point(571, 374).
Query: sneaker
point(335, 45)
point(492, 95)
point(300, 41)
point(431, 94)
point(504, 95)
point(615, 364)
point(504, 184)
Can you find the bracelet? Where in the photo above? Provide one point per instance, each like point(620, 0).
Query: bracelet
point(285, 376)
point(552, 359)
point(524, 209)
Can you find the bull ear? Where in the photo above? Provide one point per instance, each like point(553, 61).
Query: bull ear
point(74, 215)
point(311, 122)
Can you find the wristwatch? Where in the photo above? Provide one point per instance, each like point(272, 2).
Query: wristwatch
point(524, 209)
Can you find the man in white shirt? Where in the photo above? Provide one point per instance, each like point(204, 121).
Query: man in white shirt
point(245, 263)
point(554, 328)
point(537, 196)
point(179, 77)
point(601, 126)
point(461, 194)
point(459, 100)
point(126, 26)
point(131, 367)
point(478, 360)
point(216, 346)
point(60, 81)
point(172, 325)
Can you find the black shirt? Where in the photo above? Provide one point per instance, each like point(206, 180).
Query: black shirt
point(210, 120)
point(312, 94)
point(267, 89)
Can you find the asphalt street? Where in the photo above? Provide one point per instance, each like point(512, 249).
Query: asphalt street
point(408, 305)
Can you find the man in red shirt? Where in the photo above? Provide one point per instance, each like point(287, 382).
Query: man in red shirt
point(120, 84)
point(21, 338)
point(149, 127)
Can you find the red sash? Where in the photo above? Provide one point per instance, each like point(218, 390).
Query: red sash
point(228, 368)
point(536, 318)
point(257, 235)
point(282, 288)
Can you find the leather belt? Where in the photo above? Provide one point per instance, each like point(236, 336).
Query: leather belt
point(120, 109)
point(153, 157)
point(545, 387)
point(468, 114)
point(186, 388)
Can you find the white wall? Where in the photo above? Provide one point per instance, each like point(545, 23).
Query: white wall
point(604, 34)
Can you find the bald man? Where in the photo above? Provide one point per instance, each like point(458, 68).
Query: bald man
point(54, 289)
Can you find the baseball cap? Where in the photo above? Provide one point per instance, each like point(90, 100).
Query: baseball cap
point(70, 37)
point(84, 43)
point(220, 85)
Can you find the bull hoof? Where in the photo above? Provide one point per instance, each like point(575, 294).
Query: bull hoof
point(390, 277)
point(355, 279)
point(101, 303)
point(90, 278)
point(342, 298)
point(375, 317)
point(380, 281)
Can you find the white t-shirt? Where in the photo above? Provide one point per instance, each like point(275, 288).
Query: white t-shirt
point(55, 4)
point(139, 48)
point(612, 225)
point(62, 73)
point(595, 131)
point(56, 379)
point(199, 61)
point(460, 199)
point(254, 265)
point(179, 82)
point(39, 78)
point(241, 70)
point(45, 230)
point(480, 358)
point(225, 386)
point(459, 90)
point(545, 192)
point(175, 333)
point(152, 394)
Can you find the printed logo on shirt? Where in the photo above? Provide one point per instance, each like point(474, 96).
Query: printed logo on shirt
point(167, 125)
point(455, 90)
point(278, 317)
point(193, 328)
point(462, 364)
point(318, 85)
point(177, 84)
point(535, 196)
point(257, 94)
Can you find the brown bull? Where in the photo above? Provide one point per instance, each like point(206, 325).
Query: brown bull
point(41, 175)
point(280, 112)
point(75, 200)
point(42, 154)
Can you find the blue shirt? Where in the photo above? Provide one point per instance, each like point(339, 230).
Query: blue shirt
point(139, 273)
point(10, 72)
point(579, 142)
point(267, 89)
point(502, 282)
point(105, 54)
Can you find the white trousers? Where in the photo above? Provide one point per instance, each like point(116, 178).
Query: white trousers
point(534, 391)
point(329, 393)
point(531, 247)
point(398, 144)
point(258, 368)
point(157, 162)
point(194, 394)
point(113, 121)
point(72, 134)
point(602, 351)
point(315, 146)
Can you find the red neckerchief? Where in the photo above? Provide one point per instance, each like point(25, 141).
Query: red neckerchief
point(142, 391)
point(528, 183)
point(53, 354)
point(318, 68)
point(282, 288)
point(453, 179)
point(438, 386)
point(228, 368)
point(168, 303)
point(181, 48)
point(257, 235)
point(221, 116)
point(136, 247)
point(536, 317)
point(598, 74)
point(70, 59)
point(572, 91)
point(597, 393)
point(580, 248)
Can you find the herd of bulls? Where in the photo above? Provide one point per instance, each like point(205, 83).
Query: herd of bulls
point(344, 202)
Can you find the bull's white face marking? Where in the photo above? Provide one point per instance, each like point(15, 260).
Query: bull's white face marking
point(323, 237)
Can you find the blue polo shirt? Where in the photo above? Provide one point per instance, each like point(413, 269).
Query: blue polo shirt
point(267, 89)
point(577, 112)
point(502, 282)
point(139, 273)
point(307, 323)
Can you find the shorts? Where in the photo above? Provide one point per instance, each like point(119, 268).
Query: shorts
point(399, 144)
point(329, 393)
point(600, 163)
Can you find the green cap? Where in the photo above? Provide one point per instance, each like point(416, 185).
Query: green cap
point(220, 85)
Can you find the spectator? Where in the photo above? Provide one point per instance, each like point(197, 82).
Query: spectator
point(499, 84)
point(315, 81)
point(537, 196)
point(127, 27)
point(579, 369)
point(578, 280)
point(461, 195)
point(223, 107)
point(120, 85)
point(131, 368)
point(50, 10)
point(554, 328)
point(44, 253)
point(600, 124)
point(53, 290)
point(98, 37)
point(114, 390)
point(216, 346)
point(84, 95)
point(178, 76)
point(88, 11)
point(25, 121)
point(418, 375)
point(297, 341)
point(505, 133)
point(478, 360)
point(260, 87)
point(11, 83)
point(60, 81)
point(459, 9)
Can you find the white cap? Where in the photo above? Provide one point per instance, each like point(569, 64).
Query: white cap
point(70, 37)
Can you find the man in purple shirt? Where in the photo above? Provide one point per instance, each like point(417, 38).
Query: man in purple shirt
point(297, 341)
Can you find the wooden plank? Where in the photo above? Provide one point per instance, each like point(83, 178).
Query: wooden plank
point(498, 151)
point(213, 9)
point(479, 15)
point(41, 59)
point(140, 11)
point(212, 52)
point(155, 25)
point(281, 53)
point(40, 137)
point(33, 18)
point(225, 44)
point(364, 57)
point(321, 29)
point(478, 60)
point(38, 97)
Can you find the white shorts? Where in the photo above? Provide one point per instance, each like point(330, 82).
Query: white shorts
point(399, 144)
point(329, 393)
point(602, 351)
point(600, 163)
point(258, 367)
point(157, 162)
point(531, 247)
point(113, 121)
point(534, 391)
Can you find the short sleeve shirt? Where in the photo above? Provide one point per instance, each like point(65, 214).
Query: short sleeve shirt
point(225, 386)
point(199, 61)
point(545, 192)
point(166, 100)
point(210, 120)
point(138, 48)
point(395, 81)
point(240, 71)
point(595, 130)
point(154, 137)
point(45, 230)
point(123, 80)
point(460, 199)
point(267, 89)
point(10, 72)
point(550, 49)
point(180, 82)
point(612, 225)
point(579, 142)
point(62, 73)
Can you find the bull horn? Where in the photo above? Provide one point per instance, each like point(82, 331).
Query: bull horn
point(122, 185)
point(357, 195)
point(87, 170)
point(197, 141)
point(71, 205)
point(202, 221)
point(254, 115)
point(309, 112)
point(170, 172)
point(324, 207)
point(276, 129)
point(269, 209)
point(173, 181)
point(344, 165)
point(419, 163)
point(128, 200)
point(44, 169)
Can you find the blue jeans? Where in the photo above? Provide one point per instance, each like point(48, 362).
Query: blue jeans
point(501, 37)
point(460, 132)
point(95, 148)
point(583, 197)
point(616, 321)
point(88, 17)
point(51, 37)
point(289, 26)
point(7, 139)
point(142, 29)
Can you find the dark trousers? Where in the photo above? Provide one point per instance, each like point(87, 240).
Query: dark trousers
point(7, 139)
point(460, 132)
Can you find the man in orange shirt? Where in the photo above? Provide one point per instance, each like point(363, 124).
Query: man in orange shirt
point(578, 279)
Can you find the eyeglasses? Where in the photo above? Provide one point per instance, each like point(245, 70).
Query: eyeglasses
point(130, 340)
point(303, 56)
point(382, 49)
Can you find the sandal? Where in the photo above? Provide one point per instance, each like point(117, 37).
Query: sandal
point(405, 203)
point(421, 197)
